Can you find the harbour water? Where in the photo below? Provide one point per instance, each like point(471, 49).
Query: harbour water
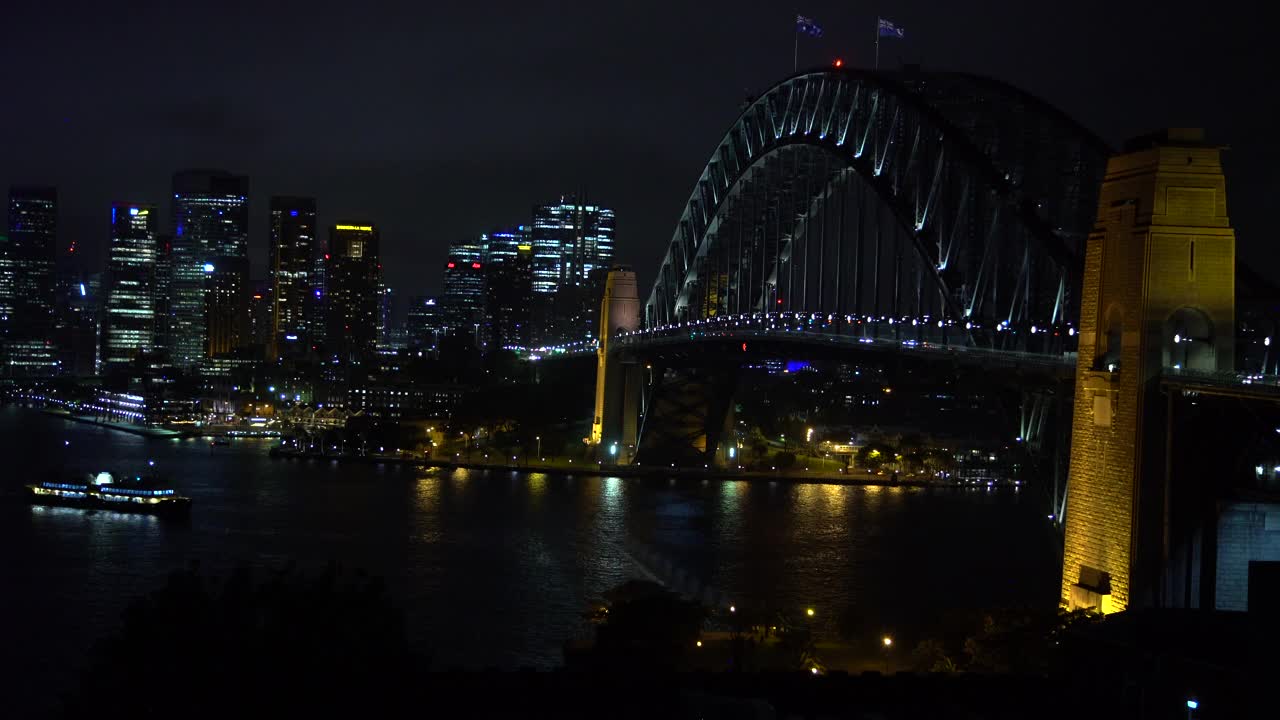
point(491, 568)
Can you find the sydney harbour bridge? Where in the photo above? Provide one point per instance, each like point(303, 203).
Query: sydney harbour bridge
point(889, 197)
point(959, 224)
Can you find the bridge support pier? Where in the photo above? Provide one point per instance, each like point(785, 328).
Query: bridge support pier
point(619, 311)
point(1158, 295)
point(622, 408)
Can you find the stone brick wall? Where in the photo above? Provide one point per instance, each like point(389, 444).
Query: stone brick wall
point(1139, 269)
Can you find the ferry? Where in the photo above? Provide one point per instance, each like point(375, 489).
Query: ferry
point(102, 491)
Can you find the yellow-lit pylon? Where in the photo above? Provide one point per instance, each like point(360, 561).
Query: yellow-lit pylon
point(619, 311)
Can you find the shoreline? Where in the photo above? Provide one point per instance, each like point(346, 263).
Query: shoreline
point(157, 433)
point(637, 471)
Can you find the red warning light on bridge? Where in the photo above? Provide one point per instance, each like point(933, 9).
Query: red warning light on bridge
point(744, 347)
point(839, 62)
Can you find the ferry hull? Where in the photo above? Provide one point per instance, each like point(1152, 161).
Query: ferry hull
point(168, 507)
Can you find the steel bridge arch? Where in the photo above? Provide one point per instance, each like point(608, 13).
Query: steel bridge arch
point(920, 141)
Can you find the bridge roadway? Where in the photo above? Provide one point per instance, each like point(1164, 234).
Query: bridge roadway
point(947, 340)
point(1241, 385)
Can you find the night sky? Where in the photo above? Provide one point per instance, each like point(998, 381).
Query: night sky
point(441, 122)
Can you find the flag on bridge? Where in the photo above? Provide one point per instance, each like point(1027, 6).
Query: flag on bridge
point(807, 26)
point(889, 30)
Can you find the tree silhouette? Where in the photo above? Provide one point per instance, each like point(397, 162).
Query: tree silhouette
point(290, 644)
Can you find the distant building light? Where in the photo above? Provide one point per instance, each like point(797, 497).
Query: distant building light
point(450, 266)
point(290, 337)
point(293, 213)
point(475, 266)
point(357, 228)
point(208, 267)
point(82, 292)
point(1192, 704)
point(133, 211)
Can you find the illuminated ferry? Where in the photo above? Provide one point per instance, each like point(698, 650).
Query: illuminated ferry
point(101, 491)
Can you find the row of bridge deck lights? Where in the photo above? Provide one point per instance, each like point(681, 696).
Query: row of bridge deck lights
point(772, 318)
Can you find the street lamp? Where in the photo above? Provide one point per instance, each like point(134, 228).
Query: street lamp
point(539, 439)
point(886, 641)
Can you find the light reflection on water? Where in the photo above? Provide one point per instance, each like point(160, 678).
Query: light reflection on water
point(496, 568)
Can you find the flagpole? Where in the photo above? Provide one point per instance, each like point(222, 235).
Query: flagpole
point(795, 42)
point(795, 50)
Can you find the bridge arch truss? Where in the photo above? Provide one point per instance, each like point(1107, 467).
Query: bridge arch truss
point(890, 203)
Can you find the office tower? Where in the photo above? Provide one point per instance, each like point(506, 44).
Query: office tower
point(509, 287)
point(424, 322)
point(6, 287)
point(261, 325)
point(291, 271)
point(316, 319)
point(570, 239)
point(465, 290)
point(27, 281)
point(129, 324)
point(161, 295)
point(352, 275)
point(209, 286)
point(386, 316)
point(76, 325)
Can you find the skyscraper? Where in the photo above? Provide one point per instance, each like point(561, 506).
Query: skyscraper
point(352, 275)
point(129, 324)
point(465, 290)
point(386, 315)
point(161, 296)
point(424, 322)
point(509, 287)
point(76, 326)
point(570, 239)
point(291, 273)
point(210, 280)
point(27, 281)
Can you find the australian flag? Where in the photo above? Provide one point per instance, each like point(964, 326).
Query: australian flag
point(888, 29)
point(807, 26)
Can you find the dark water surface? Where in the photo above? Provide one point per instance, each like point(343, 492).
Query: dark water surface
point(492, 568)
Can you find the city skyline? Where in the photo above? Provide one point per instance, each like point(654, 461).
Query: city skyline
point(626, 152)
point(727, 349)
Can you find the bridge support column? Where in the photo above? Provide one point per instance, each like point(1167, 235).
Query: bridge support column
point(1158, 295)
point(619, 311)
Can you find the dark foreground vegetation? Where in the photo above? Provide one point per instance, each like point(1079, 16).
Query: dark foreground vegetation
point(331, 644)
